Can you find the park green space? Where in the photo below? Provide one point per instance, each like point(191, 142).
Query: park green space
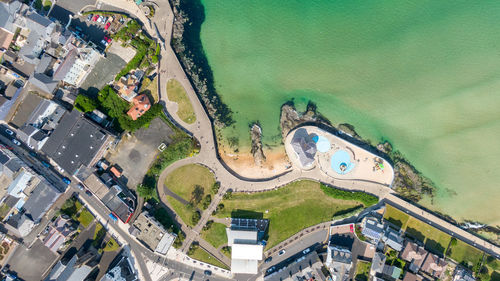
point(465, 253)
point(184, 211)
point(183, 181)
point(215, 235)
point(176, 93)
point(289, 209)
point(362, 270)
point(206, 257)
point(421, 74)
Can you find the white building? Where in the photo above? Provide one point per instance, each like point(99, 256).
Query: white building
point(246, 252)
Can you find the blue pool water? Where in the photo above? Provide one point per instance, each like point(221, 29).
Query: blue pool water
point(341, 162)
point(323, 144)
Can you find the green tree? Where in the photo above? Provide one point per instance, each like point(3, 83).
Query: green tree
point(206, 201)
point(84, 103)
point(197, 195)
point(196, 217)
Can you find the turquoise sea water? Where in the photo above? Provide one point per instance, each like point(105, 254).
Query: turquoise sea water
point(423, 74)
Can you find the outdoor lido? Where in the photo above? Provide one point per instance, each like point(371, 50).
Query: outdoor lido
point(310, 147)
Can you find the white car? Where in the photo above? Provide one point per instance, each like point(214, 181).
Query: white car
point(306, 251)
point(16, 142)
point(282, 252)
point(9, 132)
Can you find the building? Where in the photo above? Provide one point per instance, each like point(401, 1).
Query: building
point(40, 200)
point(5, 38)
point(393, 239)
point(141, 104)
point(246, 251)
point(434, 266)
point(372, 229)
point(77, 64)
point(462, 274)
point(121, 269)
point(378, 263)
point(96, 186)
point(307, 267)
point(152, 234)
point(338, 262)
point(413, 254)
point(58, 232)
point(119, 203)
point(127, 86)
point(304, 147)
point(76, 142)
point(412, 277)
point(75, 265)
point(19, 224)
point(390, 272)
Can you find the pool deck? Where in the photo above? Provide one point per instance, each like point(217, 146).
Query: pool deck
point(366, 163)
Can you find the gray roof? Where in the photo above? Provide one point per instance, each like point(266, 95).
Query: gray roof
point(378, 262)
point(43, 82)
point(373, 229)
point(25, 109)
point(393, 239)
point(7, 12)
point(116, 205)
point(42, 198)
point(66, 65)
point(36, 22)
point(3, 158)
point(75, 142)
point(304, 147)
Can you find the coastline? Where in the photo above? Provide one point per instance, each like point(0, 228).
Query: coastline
point(242, 161)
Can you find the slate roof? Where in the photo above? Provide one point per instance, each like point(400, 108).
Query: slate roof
point(393, 239)
point(42, 198)
point(75, 142)
point(304, 147)
point(378, 262)
point(373, 229)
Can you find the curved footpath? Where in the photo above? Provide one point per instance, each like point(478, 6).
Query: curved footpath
point(170, 68)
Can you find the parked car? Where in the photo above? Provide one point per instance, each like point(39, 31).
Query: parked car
point(89, 18)
point(107, 26)
point(207, 272)
point(271, 269)
point(282, 252)
point(95, 18)
point(66, 180)
point(16, 142)
point(306, 251)
point(351, 226)
point(80, 186)
point(88, 192)
point(46, 164)
point(9, 132)
point(268, 260)
point(32, 153)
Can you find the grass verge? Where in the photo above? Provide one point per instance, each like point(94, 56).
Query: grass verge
point(183, 211)
point(85, 217)
point(465, 254)
point(176, 93)
point(111, 246)
point(290, 209)
point(206, 257)
point(362, 270)
point(183, 181)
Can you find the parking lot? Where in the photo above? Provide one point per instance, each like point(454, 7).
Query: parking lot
point(136, 153)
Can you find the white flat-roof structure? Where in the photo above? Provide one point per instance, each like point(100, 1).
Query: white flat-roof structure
point(245, 250)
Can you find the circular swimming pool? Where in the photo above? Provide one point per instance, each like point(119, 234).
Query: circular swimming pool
point(341, 162)
point(323, 144)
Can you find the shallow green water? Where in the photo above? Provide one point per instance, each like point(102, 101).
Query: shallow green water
point(423, 74)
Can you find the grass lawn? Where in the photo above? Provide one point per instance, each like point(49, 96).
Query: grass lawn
point(4, 210)
point(435, 240)
point(177, 93)
point(85, 217)
point(183, 180)
point(151, 88)
point(395, 216)
point(111, 246)
point(206, 257)
point(98, 231)
point(183, 211)
point(290, 209)
point(216, 235)
point(362, 270)
point(465, 253)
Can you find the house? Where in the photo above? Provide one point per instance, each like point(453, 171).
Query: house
point(76, 142)
point(120, 204)
point(141, 104)
point(378, 263)
point(246, 251)
point(412, 277)
point(60, 230)
point(304, 147)
point(393, 239)
point(76, 65)
point(19, 224)
point(413, 254)
point(434, 266)
point(462, 274)
point(391, 272)
point(75, 265)
point(5, 38)
point(121, 269)
point(40, 200)
point(338, 262)
point(372, 229)
point(307, 267)
point(127, 87)
point(32, 137)
point(152, 234)
point(96, 186)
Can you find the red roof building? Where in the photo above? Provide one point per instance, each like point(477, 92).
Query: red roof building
point(141, 105)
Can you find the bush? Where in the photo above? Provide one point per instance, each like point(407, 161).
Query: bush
point(365, 198)
point(196, 217)
point(206, 201)
point(208, 225)
point(228, 194)
point(194, 246)
point(179, 240)
point(215, 187)
point(85, 104)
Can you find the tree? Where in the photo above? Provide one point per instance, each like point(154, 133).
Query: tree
point(206, 201)
point(197, 195)
point(146, 192)
point(453, 241)
point(208, 225)
point(228, 194)
point(84, 103)
point(215, 187)
point(196, 217)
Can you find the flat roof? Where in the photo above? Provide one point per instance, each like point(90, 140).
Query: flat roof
point(247, 251)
